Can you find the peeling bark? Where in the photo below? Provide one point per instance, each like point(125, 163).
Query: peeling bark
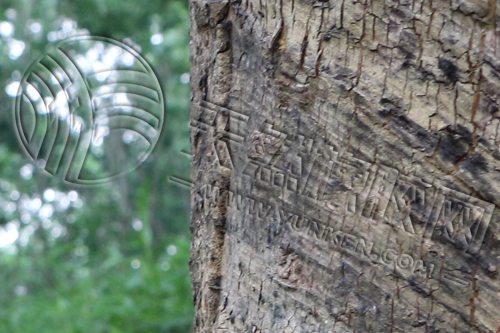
point(345, 165)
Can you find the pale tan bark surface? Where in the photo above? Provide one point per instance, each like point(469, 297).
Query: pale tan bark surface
point(345, 166)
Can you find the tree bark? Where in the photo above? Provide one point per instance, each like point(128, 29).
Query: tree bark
point(345, 165)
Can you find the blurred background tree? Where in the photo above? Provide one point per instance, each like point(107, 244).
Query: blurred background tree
point(110, 258)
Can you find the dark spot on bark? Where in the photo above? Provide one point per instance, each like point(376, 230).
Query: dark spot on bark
point(278, 312)
point(407, 54)
point(398, 12)
point(343, 73)
point(450, 70)
point(455, 143)
point(215, 283)
point(422, 135)
point(384, 113)
point(332, 32)
point(330, 303)
point(338, 185)
point(326, 69)
point(492, 107)
point(463, 132)
point(427, 75)
point(407, 64)
point(393, 105)
point(476, 164)
point(409, 41)
point(418, 323)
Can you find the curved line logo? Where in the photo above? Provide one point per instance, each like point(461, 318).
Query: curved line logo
point(89, 109)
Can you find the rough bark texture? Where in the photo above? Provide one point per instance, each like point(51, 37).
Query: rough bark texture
point(345, 165)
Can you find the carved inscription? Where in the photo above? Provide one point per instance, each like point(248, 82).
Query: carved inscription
point(344, 185)
point(425, 210)
point(406, 264)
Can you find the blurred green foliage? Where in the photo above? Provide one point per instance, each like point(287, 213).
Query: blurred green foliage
point(100, 296)
point(111, 258)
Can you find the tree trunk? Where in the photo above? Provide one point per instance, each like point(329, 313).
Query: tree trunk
point(345, 165)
